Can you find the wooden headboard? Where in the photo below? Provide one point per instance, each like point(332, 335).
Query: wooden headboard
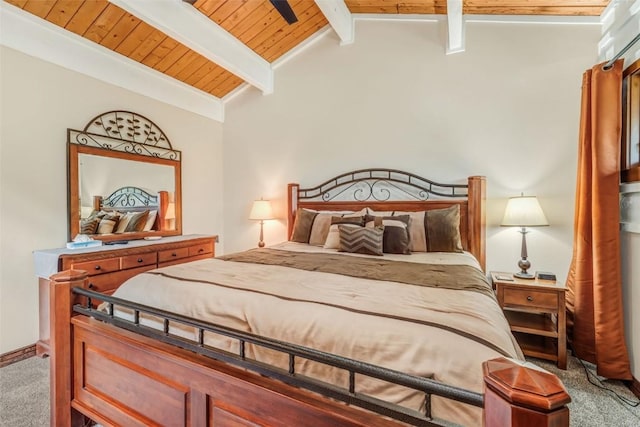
point(394, 190)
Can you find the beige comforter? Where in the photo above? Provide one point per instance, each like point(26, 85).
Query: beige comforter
point(439, 333)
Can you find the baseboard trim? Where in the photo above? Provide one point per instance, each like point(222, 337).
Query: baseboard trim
point(634, 386)
point(17, 355)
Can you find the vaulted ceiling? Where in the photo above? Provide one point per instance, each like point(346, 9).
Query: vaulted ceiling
point(217, 45)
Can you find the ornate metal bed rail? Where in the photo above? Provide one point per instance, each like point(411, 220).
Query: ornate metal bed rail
point(292, 351)
point(379, 184)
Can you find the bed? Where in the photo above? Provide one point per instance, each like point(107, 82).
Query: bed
point(296, 328)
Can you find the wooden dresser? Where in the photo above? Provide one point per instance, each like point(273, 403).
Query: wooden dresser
point(109, 266)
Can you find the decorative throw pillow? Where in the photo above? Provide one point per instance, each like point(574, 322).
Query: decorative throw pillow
point(89, 225)
point(313, 226)
point(442, 230)
point(150, 220)
point(124, 221)
point(108, 223)
point(137, 222)
point(396, 238)
point(362, 240)
point(416, 230)
point(97, 214)
point(302, 225)
point(333, 238)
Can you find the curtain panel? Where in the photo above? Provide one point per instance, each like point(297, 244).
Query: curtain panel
point(594, 297)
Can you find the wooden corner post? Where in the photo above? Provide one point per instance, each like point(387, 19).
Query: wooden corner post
point(476, 197)
point(519, 396)
point(292, 206)
point(61, 342)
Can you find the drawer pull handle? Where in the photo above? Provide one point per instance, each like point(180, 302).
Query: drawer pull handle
point(97, 267)
point(529, 298)
point(174, 254)
point(91, 286)
point(200, 250)
point(139, 259)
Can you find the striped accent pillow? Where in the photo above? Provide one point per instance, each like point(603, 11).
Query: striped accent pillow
point(361, 240)
point(89, 225)
point(137, 222)
point(333, 238)
point(107, 224)
point(396, 232)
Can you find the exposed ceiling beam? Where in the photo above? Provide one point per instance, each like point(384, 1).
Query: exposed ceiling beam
point(36, 37)
point(339, 18)
point(186, 24)
point(455, 24)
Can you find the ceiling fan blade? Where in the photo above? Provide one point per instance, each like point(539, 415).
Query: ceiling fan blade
point(283, 7)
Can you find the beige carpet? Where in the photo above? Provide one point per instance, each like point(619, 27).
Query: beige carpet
point(24, 396)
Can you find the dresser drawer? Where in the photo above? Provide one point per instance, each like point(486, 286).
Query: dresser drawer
point(204, 248)
point(104, 283)
point(172, 254)
point(531, 298)
point(133, 261)
point(100, 266)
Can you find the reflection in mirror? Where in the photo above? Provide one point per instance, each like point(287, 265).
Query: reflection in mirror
point(124, 179)
point(101, 176)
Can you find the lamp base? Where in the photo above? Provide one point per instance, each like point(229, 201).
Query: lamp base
point(524, 275)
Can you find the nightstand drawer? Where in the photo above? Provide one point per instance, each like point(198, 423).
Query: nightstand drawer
point(531, 298)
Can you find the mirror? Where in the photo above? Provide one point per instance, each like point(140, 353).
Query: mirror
point(124, 179)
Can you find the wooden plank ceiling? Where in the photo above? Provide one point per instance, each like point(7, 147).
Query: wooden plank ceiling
point(254, 22)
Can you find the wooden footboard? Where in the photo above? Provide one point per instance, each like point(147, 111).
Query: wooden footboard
point(117, 377)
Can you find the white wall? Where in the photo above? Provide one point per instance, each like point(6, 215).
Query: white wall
point(508, 108)
point(39, 101)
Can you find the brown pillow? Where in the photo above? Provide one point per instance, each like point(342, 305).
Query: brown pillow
point(137, 222)
point(396, 239)
point(362, 240)
point(442, 230)
point(302, 225)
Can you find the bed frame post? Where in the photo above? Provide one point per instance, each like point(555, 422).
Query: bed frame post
point(97, 203)
point(477, 195)
point(163, 203)
point(292, 206)
point(519, 396)
point(61, 343)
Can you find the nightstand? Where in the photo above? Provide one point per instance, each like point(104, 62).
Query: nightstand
point(536, 313)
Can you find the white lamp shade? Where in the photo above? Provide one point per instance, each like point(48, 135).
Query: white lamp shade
point(261, 210)
point(523, 211)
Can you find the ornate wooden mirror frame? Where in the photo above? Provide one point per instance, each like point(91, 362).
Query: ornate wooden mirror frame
point(130, 137)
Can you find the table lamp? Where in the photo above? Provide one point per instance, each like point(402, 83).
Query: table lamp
point(523, 211)
point(261, 211)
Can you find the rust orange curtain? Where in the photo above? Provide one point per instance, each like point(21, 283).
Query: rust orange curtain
point(594, 297)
